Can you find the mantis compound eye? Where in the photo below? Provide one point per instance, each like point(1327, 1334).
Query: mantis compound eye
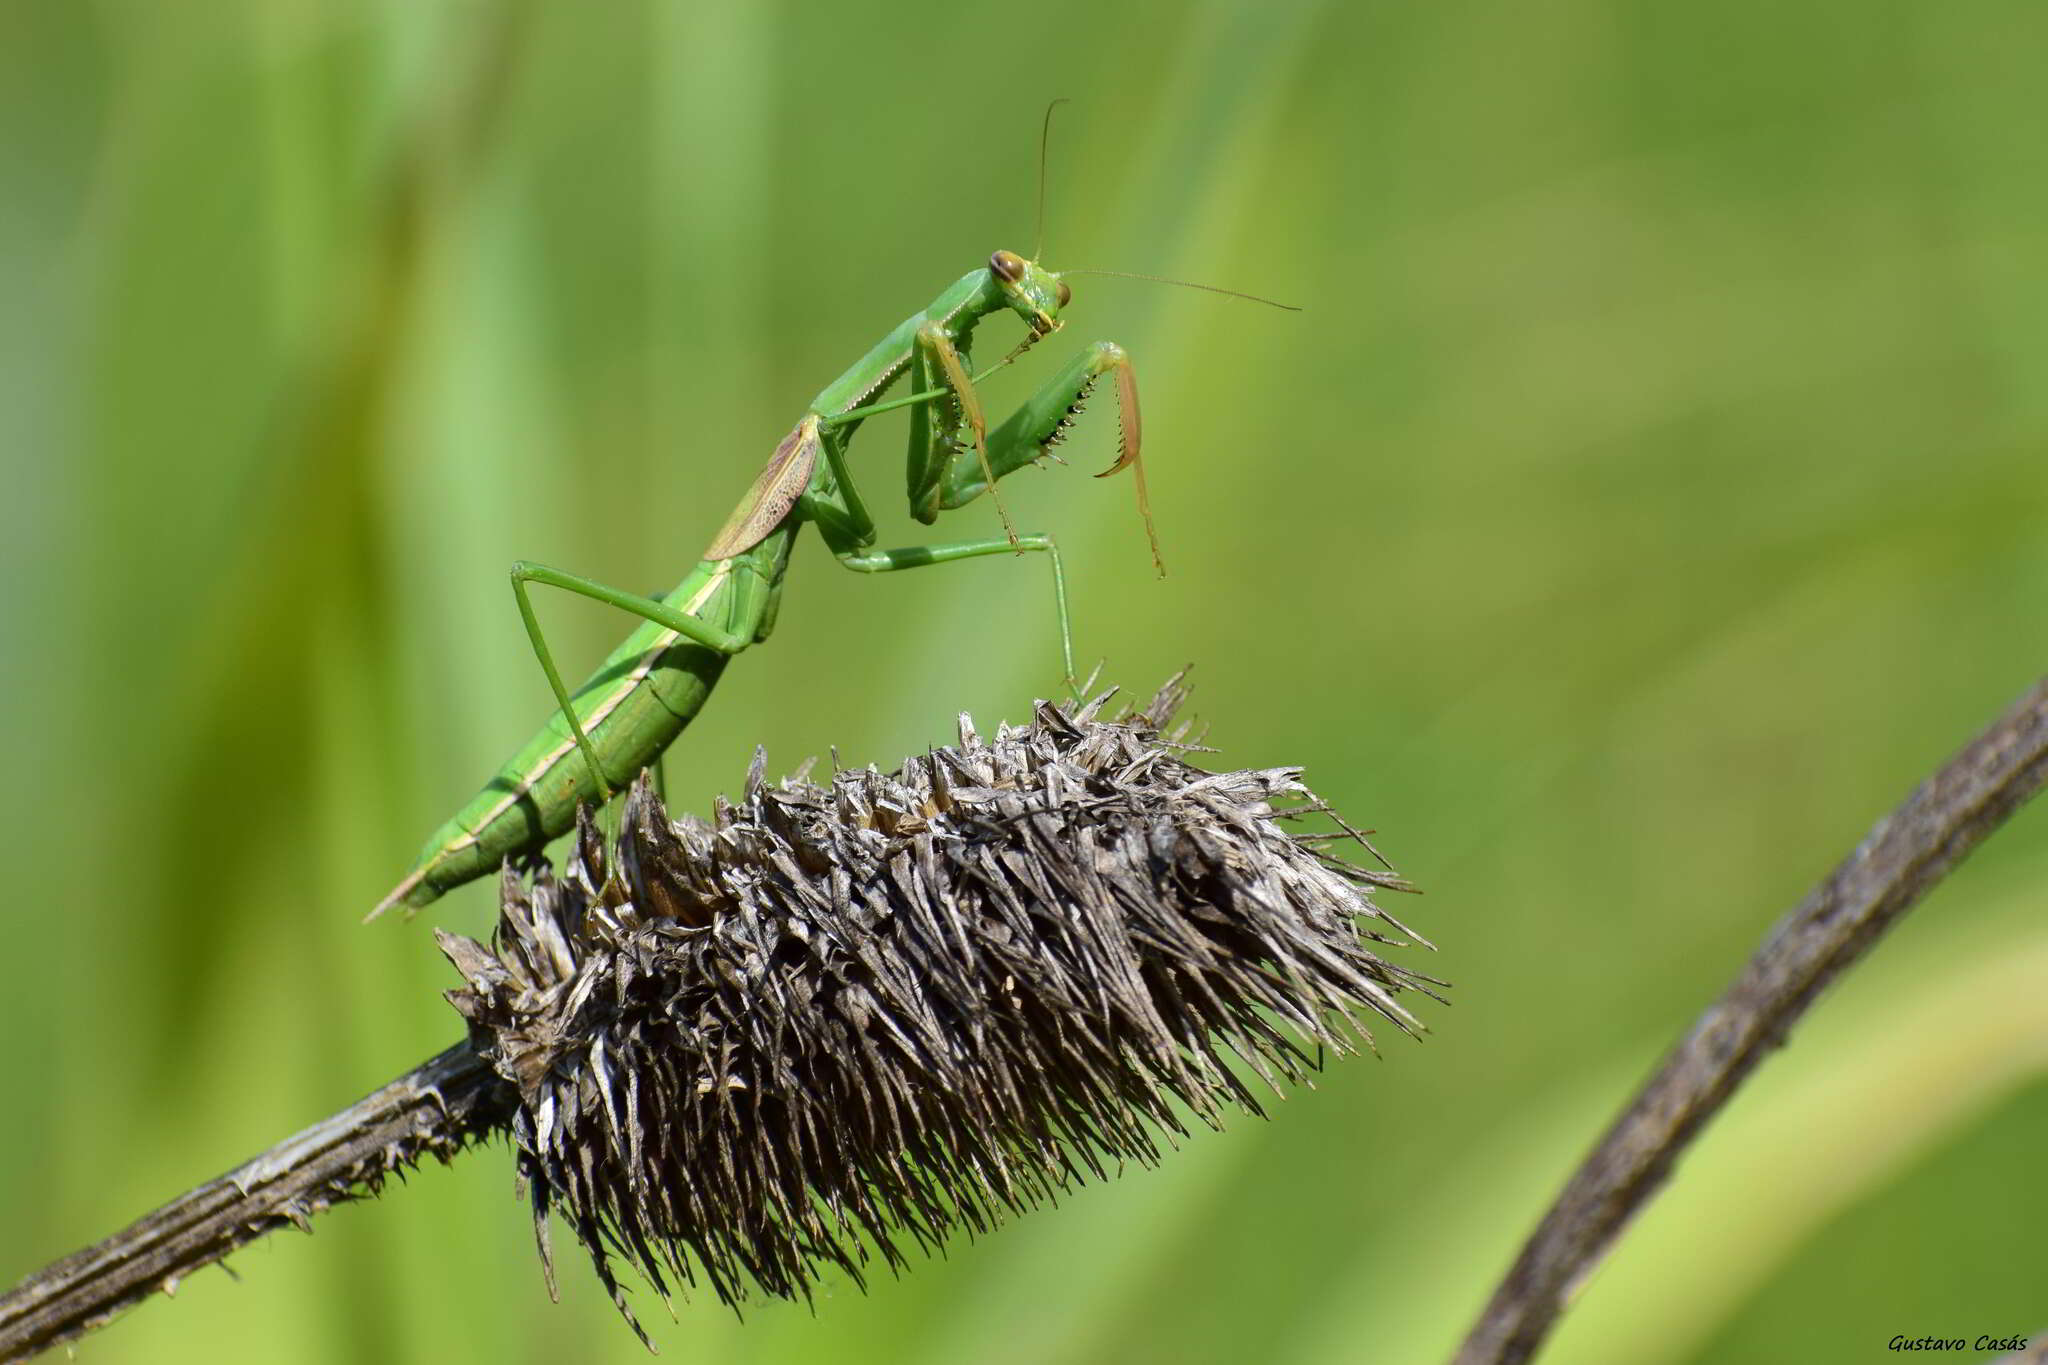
point(1066, 295)
point(1007, 265)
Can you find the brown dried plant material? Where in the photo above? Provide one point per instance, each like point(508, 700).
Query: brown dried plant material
point(837, 1022)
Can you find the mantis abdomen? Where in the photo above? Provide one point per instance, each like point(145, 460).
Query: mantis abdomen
point(632, 708)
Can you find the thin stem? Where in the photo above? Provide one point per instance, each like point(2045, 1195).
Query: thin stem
point(438, 1108)
point(1902, 858)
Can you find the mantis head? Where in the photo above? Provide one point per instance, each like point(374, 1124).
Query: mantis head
point(1034, 294)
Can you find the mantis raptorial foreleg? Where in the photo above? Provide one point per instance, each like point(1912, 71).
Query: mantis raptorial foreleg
point(938, 362)
point(945, 479)
point(943, 421)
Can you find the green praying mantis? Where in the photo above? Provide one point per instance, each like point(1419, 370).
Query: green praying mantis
point(654, 684)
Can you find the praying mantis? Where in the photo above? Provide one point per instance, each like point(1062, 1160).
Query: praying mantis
point(654, 684)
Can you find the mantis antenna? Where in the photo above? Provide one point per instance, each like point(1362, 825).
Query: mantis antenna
point(1189, 284)
point(1044, 138)
point(1038, 243)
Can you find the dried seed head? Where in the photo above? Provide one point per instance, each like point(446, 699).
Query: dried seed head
point(840, 1020)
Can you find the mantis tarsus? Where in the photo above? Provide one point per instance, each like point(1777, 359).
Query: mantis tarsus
point(654, 683)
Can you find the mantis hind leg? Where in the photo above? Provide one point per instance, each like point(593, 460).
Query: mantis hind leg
point(648, 608)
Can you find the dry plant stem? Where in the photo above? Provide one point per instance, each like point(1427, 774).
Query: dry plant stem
point(1898, 862)
point(437, 1109)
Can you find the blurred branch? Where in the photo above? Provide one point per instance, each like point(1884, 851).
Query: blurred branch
point(1902, 858)
point(438, 1108)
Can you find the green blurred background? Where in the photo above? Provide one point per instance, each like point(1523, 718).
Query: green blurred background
point(1652, 492)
